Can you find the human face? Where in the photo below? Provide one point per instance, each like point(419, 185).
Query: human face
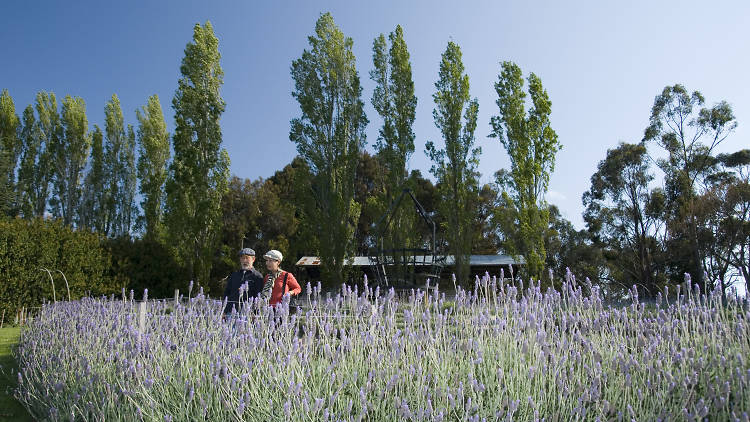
point(272, 265)
point(246, 262)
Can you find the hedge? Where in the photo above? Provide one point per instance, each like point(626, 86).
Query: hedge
point(27, 247)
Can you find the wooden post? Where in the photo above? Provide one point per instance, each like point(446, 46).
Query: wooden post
point(2, 319)
point(142, 317)
point(176, 297)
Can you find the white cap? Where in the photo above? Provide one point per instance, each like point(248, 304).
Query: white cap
point(273, 254)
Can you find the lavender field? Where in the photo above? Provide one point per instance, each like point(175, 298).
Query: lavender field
point(495, 353)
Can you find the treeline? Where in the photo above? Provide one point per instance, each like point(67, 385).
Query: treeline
point(172, 214)
point(695, 221)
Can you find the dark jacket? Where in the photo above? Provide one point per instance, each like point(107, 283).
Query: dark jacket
point(254, 282)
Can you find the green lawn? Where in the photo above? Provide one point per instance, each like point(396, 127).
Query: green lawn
point(10, 409)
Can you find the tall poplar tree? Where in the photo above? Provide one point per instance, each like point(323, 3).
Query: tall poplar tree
point(531, 144)
point(93, 210)
point(395, 102)
point(455, 166)
point(70, 160)
point(199, 171)
point(31, 142)
point(329, 136)
point(153, 147)
point(115, 167)
point(10, 148)
point(50, 134)
point(129, 183)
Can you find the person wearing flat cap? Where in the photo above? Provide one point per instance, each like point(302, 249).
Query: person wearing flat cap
point(246, 274)
point(282, 281)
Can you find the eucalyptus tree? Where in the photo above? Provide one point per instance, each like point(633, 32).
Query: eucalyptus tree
point(723, 216)
point(625, 217)
point(689, 133)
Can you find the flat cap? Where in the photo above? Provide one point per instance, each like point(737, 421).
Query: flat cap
point(246, 251)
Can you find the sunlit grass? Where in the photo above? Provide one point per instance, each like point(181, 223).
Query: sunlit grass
point(10, 409)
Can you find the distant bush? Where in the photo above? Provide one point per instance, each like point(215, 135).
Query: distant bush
point(29, 246)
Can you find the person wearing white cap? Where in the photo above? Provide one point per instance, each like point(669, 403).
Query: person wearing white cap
point(282, 282)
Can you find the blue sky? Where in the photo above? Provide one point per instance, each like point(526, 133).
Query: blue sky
point(602, 64)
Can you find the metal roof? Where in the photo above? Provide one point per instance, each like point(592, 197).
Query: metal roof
point(474, 260)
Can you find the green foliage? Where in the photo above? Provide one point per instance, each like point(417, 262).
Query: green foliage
point(265, 214)
point(395, 102)
point(139, 264)
point(70, 160)
point(455, 165)
point(153, 143)
point(28, 246)
point(120, 171)
point(572, 250)
point(625, 217)
point(290, 184)
point(93, 209)
point(531, 144)
point(689, 132)
point(10, 149)
point(129, 179)
point(240, 213)
point(486, 227)
point(369, 191)
point(723, 216)
point(735, 210)
point(329, 136)
point(30, 145)
point(199, 171)
point(46, 140)
point(428, 195)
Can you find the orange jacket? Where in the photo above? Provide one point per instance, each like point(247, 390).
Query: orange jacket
point(291, 286)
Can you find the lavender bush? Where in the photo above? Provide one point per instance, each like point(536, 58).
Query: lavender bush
point(496, 353)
